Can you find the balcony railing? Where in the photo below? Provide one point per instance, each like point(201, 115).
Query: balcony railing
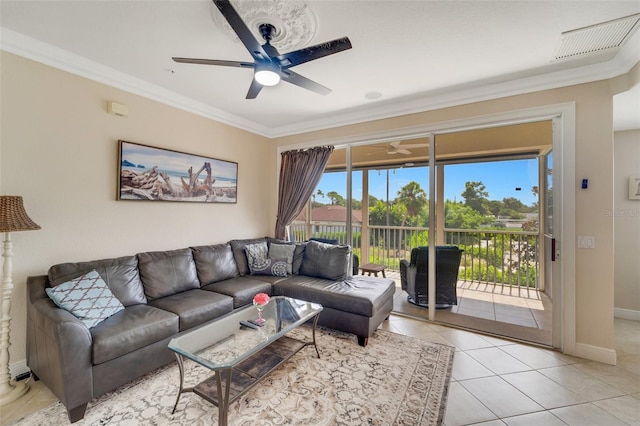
point(499, 257)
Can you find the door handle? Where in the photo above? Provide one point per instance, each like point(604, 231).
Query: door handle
point(553, 249)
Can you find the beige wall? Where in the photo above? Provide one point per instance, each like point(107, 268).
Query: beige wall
point(626, 215)
point(594, 275)
point(58, 149)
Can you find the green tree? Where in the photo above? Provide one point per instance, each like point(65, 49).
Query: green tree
point(475, 196)
point(514, 204)
point(378, 214)
point(411, 199)
point(336, 199)
point(460, 216)
point(494, 207)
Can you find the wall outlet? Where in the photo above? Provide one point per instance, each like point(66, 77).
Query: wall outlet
point(586, 242)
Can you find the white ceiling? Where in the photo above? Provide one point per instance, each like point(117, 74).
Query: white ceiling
point(418, 55)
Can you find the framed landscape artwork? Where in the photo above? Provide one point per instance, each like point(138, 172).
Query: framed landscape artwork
point(146, 173)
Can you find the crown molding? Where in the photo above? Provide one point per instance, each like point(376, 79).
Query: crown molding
point(479, 91)
point(30, 48)
point(47, 54)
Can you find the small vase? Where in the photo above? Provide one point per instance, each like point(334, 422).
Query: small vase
point(260, 320)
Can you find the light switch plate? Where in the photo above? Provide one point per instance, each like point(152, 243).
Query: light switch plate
point(586, 242)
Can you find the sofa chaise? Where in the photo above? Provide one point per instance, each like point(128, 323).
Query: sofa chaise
point(152, 296)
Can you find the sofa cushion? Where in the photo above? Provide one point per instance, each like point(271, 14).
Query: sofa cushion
point(195, 307)
point(362, 295)
point(242, 289)
point(87, 297)
point(278, 251)
point(120, 274)
point(324, 260)
point(164, 273)
point(214, 263)
point(237, 246)
point(130, 329)
point(298, 257)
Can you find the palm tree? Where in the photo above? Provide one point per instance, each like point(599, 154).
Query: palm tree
point(413, 198)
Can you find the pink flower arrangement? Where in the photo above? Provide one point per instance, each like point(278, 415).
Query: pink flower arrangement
point(261, 299)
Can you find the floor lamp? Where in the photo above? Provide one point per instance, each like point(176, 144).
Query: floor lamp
point(13, 218)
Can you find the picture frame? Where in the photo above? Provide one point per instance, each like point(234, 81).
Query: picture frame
point(147, 173)
point(634, 187)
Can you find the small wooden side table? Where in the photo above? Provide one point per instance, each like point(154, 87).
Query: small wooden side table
point(373, 268)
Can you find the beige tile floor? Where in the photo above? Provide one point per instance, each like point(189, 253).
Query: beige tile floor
point(500, 382)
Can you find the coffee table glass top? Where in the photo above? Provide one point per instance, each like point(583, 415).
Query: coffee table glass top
point(224, 342)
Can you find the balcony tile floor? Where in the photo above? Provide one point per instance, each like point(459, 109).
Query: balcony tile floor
point(500, 382)
point(527, 308)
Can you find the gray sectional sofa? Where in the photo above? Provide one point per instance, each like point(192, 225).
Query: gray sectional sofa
point(165, 292)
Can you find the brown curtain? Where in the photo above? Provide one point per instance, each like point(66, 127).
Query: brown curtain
point(300, 172)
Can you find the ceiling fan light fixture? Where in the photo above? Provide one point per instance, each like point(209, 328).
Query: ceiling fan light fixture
point(267, 76)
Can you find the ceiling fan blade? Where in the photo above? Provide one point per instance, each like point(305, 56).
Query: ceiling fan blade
point(307, 54)
point(294, 78)
point(241, 29)
point(214, 62)
point(415, 145)
point(254, 89)
point(403, 151)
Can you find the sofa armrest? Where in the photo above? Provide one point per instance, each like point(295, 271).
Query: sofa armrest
point(59, 347)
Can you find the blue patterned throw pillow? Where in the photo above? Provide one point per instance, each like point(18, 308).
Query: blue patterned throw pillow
point(87, 297)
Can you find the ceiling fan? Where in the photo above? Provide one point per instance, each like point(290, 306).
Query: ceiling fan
point(396, 148)
point(268, 64)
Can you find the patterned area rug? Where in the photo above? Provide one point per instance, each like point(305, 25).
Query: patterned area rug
point(395, 380)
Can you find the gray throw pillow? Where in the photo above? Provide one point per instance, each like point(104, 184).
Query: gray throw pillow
point(257, 256)
point(273, 267)
point(237, 246)
point(325, 261)
point(280, 251)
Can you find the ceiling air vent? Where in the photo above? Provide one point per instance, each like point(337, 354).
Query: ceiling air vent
point(596, 38)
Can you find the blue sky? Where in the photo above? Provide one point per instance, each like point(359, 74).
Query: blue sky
point(500, 178)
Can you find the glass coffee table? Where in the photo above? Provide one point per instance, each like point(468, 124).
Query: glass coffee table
point(241, 356)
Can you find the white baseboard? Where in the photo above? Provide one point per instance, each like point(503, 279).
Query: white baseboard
point(596, 353)
point(626, 314)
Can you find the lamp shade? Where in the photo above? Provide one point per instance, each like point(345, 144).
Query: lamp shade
point(13, 217)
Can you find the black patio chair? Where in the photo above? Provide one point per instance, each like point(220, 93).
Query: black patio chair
point(414, 276)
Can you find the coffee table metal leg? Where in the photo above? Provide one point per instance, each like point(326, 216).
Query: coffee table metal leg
point(181, 367)
point(315, 322)
point(223, 398)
